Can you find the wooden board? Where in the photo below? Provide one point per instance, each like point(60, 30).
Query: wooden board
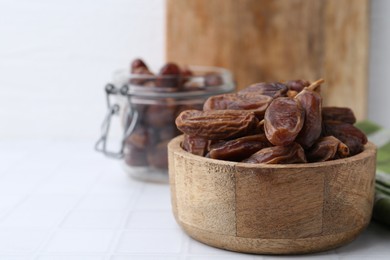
point(261, 40)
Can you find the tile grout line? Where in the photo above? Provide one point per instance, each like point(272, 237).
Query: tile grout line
point(55, 229)
point(122, 226)
point(24, 155)
point(7, 171)
point(28, 193)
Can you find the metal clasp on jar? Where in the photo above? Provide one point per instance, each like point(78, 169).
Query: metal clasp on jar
point(112, 110)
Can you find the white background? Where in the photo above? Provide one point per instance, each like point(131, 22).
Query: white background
point(56, 56)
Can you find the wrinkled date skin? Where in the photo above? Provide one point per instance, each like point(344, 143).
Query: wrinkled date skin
point(346, 133)
point(327, 148)
point(343, 114)
point(272, 89)
point(312, 127)
point(238, 149)
point(293, 153)
point(250, 102)
point(195, 145)
point(217, 124)
point(283, 120)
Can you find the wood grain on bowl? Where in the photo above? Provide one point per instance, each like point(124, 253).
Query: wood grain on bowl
point(273, 209)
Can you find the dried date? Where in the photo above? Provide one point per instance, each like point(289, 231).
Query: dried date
point(146, 77)
point(283, 120)
point(139, 138)
point(272, 89)
point(181, 108)
point(354, 138)
point(250, 102)
point(160, 115)
point(153, 135)
point(136, 64)
point(134, 156)
point(327, 148)
point(186, 75)
point(167, 132)
point(217, 124)
point(157, 156)
point(169, 76)
point(238, 149)
point(297, 85)
point(293, 153)
point(312, 127)
point(195, 145)
point(343, 114)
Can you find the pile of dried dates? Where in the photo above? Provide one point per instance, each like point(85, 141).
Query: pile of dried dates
point(274, 123)
point(170, 76)
point(155, 127)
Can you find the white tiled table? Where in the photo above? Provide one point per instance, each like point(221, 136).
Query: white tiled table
point(61, 200)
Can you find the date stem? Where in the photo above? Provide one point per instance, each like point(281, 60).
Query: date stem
point(315, 84)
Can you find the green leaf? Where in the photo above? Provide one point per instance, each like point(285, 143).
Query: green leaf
point(368, 127)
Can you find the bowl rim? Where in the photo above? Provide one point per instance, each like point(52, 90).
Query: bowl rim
point(175, 146)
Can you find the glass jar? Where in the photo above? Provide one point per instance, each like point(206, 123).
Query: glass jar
point(148, 106)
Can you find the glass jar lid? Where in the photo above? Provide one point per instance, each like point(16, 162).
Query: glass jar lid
point(203, 81)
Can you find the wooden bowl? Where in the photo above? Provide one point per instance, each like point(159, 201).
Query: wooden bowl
point(272, 209)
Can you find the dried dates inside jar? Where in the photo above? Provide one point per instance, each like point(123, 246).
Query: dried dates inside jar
point(155, 127)
point(157, 99)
